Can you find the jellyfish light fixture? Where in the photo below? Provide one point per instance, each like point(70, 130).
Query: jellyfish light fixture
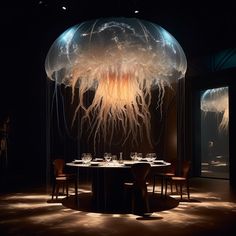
point(121, 60)
point(216, 100)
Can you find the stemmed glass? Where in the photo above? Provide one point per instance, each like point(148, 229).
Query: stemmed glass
point(86, 158)
point(107, 157)
point(133, 156)
point(151, 157)
point(139, 156)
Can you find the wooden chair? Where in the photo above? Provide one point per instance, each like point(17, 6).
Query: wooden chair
point(139, 193)
point(181, 180)
point(61, 179)
point(164, 176)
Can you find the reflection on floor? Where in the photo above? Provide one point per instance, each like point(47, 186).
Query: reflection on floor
point(211, 210)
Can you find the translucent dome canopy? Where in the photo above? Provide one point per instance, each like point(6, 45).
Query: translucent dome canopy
point(121, 60)
point(217, 101)
point(115, 43)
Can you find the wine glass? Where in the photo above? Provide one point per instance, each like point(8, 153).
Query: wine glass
point(153, 156)
point(86, 158)
point(107, 156)
point(149, 157)
point(114, 159)
point(133, 156)
point(139, 156)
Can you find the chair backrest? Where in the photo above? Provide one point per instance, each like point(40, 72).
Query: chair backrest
point(140, 204)
point(140, 172)
point(59, 165)
point(186, 165)
point(173, 167)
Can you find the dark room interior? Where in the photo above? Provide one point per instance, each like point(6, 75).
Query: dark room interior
point(36, 117)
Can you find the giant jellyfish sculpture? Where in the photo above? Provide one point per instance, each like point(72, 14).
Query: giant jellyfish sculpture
point(121, 60)
point(216, 100)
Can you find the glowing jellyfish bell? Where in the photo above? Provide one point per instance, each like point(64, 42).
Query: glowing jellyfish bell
point(216, 100)
point(121, 60)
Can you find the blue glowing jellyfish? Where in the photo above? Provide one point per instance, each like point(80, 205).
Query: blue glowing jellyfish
point(216, 100)
point(121, 60)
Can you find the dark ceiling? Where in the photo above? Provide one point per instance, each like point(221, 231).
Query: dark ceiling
point(200, 27)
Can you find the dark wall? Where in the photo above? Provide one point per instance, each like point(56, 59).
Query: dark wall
point(22, 93)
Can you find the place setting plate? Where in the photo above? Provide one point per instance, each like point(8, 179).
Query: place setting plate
point(159, 162)
point(95, 163)
point(76, 161)
point(98, 160)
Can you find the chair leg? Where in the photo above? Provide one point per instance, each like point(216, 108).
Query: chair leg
point(57, 190)
point(162, 185)
point(147, 203)
point(76, 189)
point(166, 186)
point(67, 188)
point(63, 188)
point(181, 191)
point(176, 187)
point(171, 186)
point(187, 184)
point(132, 204)
point(154, 184)
point(53, 189)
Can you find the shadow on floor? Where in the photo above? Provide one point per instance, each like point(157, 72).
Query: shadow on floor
point(84, 203)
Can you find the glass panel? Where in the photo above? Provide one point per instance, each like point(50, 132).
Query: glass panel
point(214, 133)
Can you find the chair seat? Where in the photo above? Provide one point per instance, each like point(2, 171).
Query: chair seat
point(61, 175)
point(62, 178)
point(128, 184)
point(131, 184)
point(178, 178)
point(65, 176)
point(168, 174)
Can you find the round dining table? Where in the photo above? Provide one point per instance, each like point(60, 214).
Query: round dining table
point(108, 180)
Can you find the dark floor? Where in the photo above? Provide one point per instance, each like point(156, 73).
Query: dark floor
point(211, 211)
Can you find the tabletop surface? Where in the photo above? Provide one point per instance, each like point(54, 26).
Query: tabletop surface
point(115, 164)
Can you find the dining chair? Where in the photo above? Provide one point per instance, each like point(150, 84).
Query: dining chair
point(180, 180)
point(138, 188)
point(61, 178)
point(164, 176)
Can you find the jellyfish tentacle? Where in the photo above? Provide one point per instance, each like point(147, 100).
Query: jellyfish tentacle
point(223, 126)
